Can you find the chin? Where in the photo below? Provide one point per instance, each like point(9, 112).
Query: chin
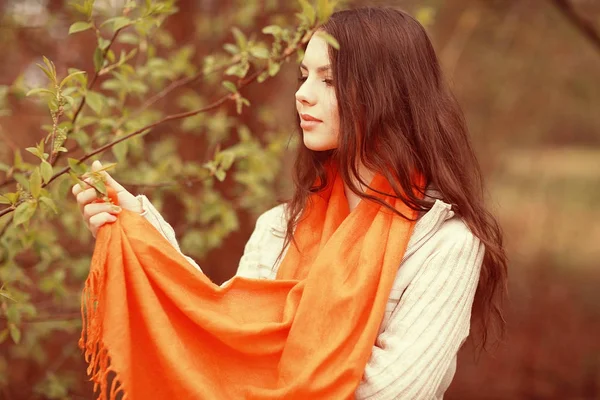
point(315, 144)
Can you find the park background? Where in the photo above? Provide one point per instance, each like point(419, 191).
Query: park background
point(526, 72)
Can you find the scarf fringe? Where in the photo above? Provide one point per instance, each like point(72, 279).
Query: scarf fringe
point(95, 352)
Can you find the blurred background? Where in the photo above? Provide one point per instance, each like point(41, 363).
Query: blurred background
point(527, 73)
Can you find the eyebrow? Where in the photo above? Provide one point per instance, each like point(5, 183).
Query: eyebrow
point(324, 68)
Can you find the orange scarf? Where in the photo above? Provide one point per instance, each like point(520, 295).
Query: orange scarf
point(157, 328)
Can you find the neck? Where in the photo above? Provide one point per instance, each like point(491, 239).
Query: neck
point(353, 199)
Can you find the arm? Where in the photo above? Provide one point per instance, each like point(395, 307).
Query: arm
point(418, 346)
point(153, 216)
point(264, 245)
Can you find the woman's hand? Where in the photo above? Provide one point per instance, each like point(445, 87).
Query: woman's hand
point(96, 214)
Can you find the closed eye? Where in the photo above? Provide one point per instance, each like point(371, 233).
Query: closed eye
point(328, 82)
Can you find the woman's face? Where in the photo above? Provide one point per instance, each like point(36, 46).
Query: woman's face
point(316, 102)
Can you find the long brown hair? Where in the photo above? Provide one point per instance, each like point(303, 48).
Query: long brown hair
point(397, 116)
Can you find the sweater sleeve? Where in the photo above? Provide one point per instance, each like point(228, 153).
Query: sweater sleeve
point(162, 226)
point(259, 260)
point(431, 321)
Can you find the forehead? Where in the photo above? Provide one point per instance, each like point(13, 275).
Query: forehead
point(317, 52)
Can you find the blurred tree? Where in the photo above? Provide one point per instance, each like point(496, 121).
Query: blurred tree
point(109, 112)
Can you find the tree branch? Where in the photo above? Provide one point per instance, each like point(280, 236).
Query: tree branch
point(585, 26)
point(95, 77)
point(176, 182)
point(242, 83)
point(163, 93)
point(55, 157)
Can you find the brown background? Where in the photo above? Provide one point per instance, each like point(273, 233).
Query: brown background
point(529, 82)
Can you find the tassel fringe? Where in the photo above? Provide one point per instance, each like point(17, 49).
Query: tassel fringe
point(95, 352)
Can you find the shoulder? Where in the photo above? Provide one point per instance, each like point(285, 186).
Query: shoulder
point(441, 227)
point(454, 232)
point(272, 222)
point(441, 244)
point(273, 217)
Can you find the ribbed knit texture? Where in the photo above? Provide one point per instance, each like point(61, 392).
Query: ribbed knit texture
point(428, 311)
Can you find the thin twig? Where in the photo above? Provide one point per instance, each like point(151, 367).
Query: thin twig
point(163, 93)
point(156, 185)
point(135, 133)
point(244, 82)
point(585, 26)
point(55, 157)
point(95, 77)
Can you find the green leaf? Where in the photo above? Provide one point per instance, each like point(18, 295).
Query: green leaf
point(15, 333)
point(38, 91)
point(240, 38)
point(262, 77)
point(11, 197)
point(95, 101)
point(230, 86)
point(226, 159)
point(82, 78)
point(325, 9)
point(46, 169)
point(110, 56)
point(3, 335)
point(234, 70)
point(220, 175)
point(4, 200)
point(329, 39)
point(46, 72)
point(121, 22)
point(79, 27)
point(23, 181)
point(6, 294)
point(101, 187)
point(231, 48)
point(35, 183)
point(24, 212)
point(274, 30)
point(18, 159)
point(103, 43)
point(49, 203)
point(260, 52)
point(273, 68)
point(309, 11)
point(50, 66)
point(76, 167)
point(35, 151)
point(98, 59)
point(128, 38)
point(113, 84)
point(71, 76)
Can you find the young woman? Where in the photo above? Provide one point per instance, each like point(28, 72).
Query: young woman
point(378, 115)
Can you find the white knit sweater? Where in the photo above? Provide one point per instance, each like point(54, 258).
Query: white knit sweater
point(428, 312)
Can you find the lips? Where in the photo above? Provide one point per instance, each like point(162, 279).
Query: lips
point(307, 117)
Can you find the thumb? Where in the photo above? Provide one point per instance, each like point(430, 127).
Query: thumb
point(97, 165)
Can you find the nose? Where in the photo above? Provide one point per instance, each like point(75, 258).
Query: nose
point(304, 95)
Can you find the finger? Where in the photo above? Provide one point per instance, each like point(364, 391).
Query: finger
point(76, 189)
point(96, 165)
point(85, 197)
point(100, 219)
point(91, 209)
